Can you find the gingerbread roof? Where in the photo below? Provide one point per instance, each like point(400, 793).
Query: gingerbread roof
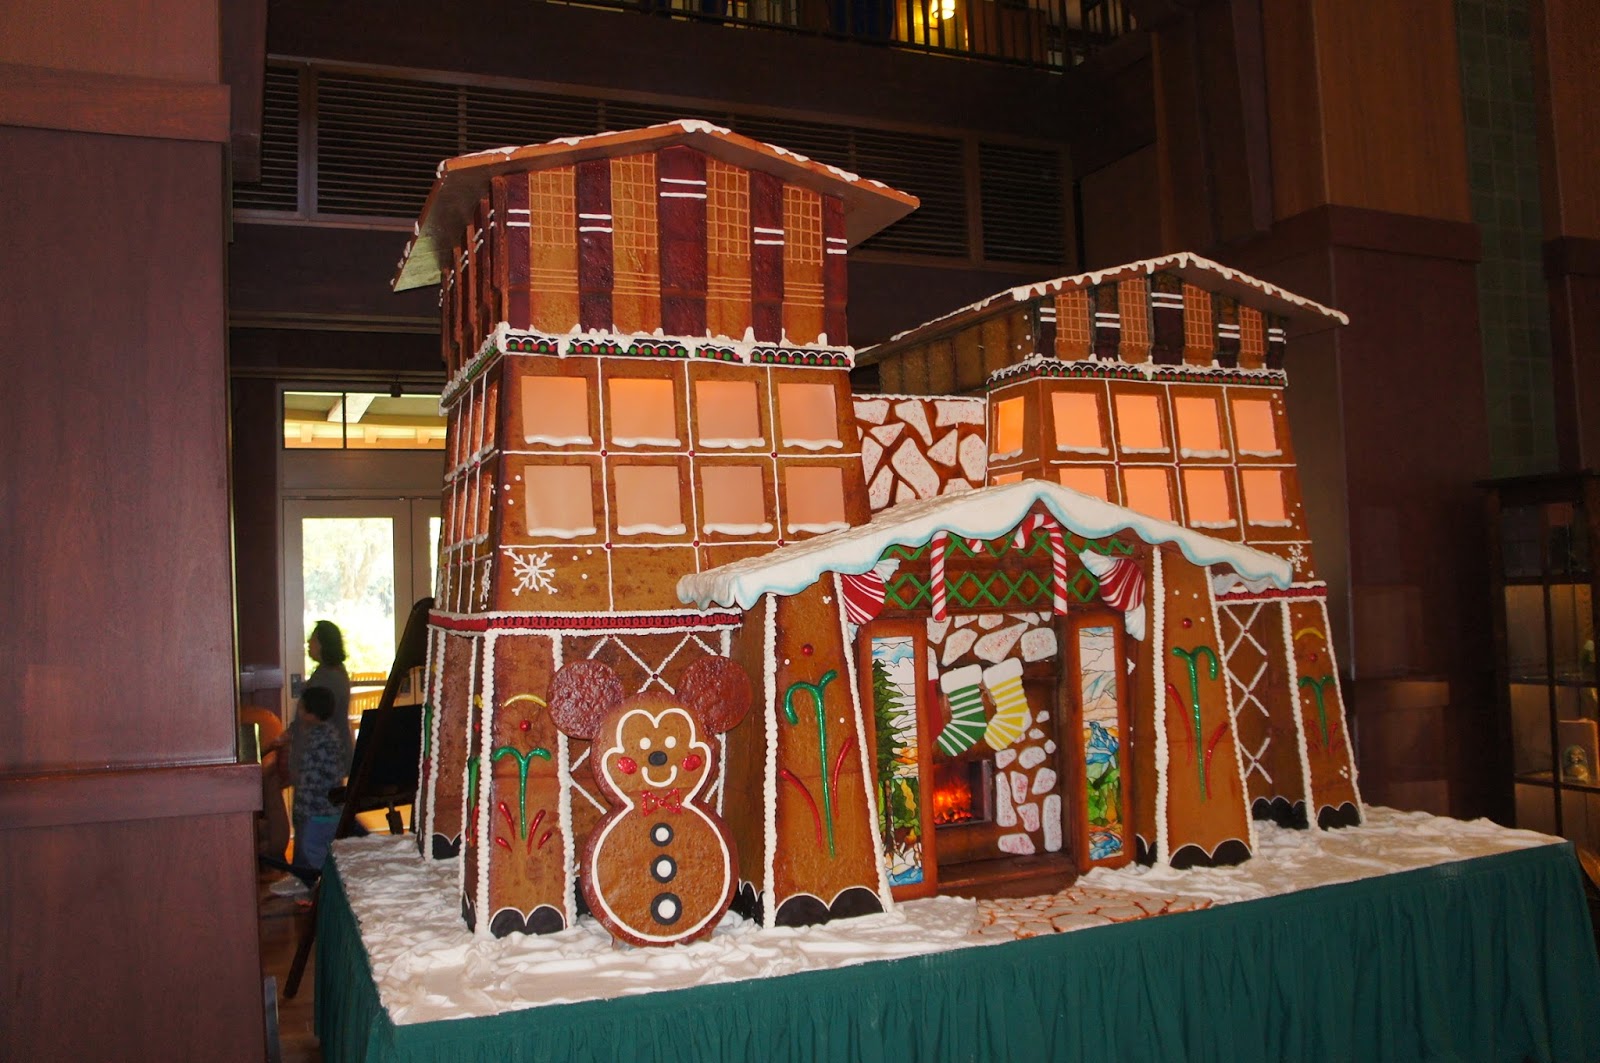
point(1199, 271)
point(986, 513)
point(869, 206)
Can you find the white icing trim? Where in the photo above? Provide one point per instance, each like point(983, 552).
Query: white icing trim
point(1158, 649)
point(1295, 694)
point(1190, 452)
point(485, 783)
point(1260, 453)
point(985, 513)
point(563, 533)
point(651, 529)
point(885, 895)
point(569, 858)
point(1233, 717)
point(732, 443)
point(1074, 448)
point(646, 441)
point(825, 526)
point(436, 685)
point(1006, 455)
point(813, 444)
point(1344, 719)
point(1213, 524)
point(718, 528)
point(556, 441)
point(768, 892)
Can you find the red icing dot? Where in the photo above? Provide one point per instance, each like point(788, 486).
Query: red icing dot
point(807, 650)
point(1313, 655)
point(692, 762)
point(627, 765)
point(526, 726)
point(1187, 622)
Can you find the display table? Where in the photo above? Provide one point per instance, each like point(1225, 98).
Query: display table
point(1483, 959)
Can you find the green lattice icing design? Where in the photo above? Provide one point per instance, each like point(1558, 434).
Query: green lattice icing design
point(996, 590)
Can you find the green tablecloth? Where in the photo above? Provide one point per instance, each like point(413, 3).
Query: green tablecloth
point(1484, 959)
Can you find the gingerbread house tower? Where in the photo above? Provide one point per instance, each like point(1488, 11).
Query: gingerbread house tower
point(648, 377)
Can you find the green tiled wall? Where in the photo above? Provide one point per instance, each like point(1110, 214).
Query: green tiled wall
point(1503, 165)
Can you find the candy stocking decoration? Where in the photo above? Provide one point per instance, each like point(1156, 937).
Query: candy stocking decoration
point(1011, 716)
point(966, 709)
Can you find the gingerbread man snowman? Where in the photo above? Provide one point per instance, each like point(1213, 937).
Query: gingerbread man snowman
point(660, 866)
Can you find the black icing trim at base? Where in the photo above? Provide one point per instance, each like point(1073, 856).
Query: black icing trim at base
point(803, 909)
point(1226, 854)
point(1346, 815)
point(747, 902)
point(445, 848)
point(1143, 852)
point(1282, 811)
point(542, 920)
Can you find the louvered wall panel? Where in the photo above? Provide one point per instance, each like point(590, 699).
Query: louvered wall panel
point(831, 144)
point(1022, 204)
point(379, 142)
point(928, 167)
point(615, 115)
point(279, 187)
point(503, 118)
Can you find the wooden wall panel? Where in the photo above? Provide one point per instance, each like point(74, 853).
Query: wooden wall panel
point(176, 39)
point(121, 943)
point(1566, 54)
point(120, 626)
point(1122, 211)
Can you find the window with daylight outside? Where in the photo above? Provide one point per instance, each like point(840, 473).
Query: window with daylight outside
point(1148, 491)
point(644, 412)
point(1205, 497)
point(1006, 441)
point(648, 500)
point(1139, 429)
point(813, 498)
point(1088, 479)
point(1077, 422)
point(1254, 432)
point(555, 410)
point(809, 416)
point(559, 500)
point(734, 500)
point(1199, 427)
point(1263, 497)
point(727, 414)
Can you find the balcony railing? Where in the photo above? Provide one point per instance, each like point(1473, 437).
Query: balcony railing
point(1042, 33)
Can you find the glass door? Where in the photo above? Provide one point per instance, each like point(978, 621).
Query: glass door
point(360, 563)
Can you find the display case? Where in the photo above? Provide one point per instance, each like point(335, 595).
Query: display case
point(1545, 537)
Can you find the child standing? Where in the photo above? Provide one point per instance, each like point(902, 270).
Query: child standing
point(318, 763)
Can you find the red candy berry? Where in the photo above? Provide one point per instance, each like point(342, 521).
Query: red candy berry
point(807, 650)
point(1187, 622)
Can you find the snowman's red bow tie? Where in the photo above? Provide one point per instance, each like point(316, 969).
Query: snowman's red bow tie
point(667, 801)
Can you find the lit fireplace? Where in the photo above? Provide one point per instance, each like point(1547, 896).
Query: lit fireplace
point(961, 792)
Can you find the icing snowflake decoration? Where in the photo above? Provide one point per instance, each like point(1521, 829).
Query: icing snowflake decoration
point(483, 594)
point(533, 571)
point(1297, 557)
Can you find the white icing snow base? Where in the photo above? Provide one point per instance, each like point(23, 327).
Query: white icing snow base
point(428, 966)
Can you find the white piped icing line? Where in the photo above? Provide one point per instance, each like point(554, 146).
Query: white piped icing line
point(769, 781)
point(435, 684)
point(1158, 648)
point(884, 894)
point(1295, 695)
point(1344, 719)
point(485, 783)
point(1233, 717)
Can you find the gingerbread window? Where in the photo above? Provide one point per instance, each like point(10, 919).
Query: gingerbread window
point(1148, 491)
point(1206, 497)
point(555, 410)
point(727, 414)
point(734, 500)
point(643, 413)
point(1264, 502)
point(648, 500)
point(1006, 441)
point(1078, 422)
point(808, 414)
point(1139, 425)
point(1087, 479)
point(813, 498)
point(1199, 427)
point(1255, 430)
point(558, 500)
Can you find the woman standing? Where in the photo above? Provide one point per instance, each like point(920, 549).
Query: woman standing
point(326, 647)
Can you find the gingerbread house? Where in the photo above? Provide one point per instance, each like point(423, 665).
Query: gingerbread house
point(1062, 621)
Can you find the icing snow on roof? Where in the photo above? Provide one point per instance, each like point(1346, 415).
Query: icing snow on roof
point(1195, 268)
point(987, 513)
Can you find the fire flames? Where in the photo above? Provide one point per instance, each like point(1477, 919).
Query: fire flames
point(952, 802)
